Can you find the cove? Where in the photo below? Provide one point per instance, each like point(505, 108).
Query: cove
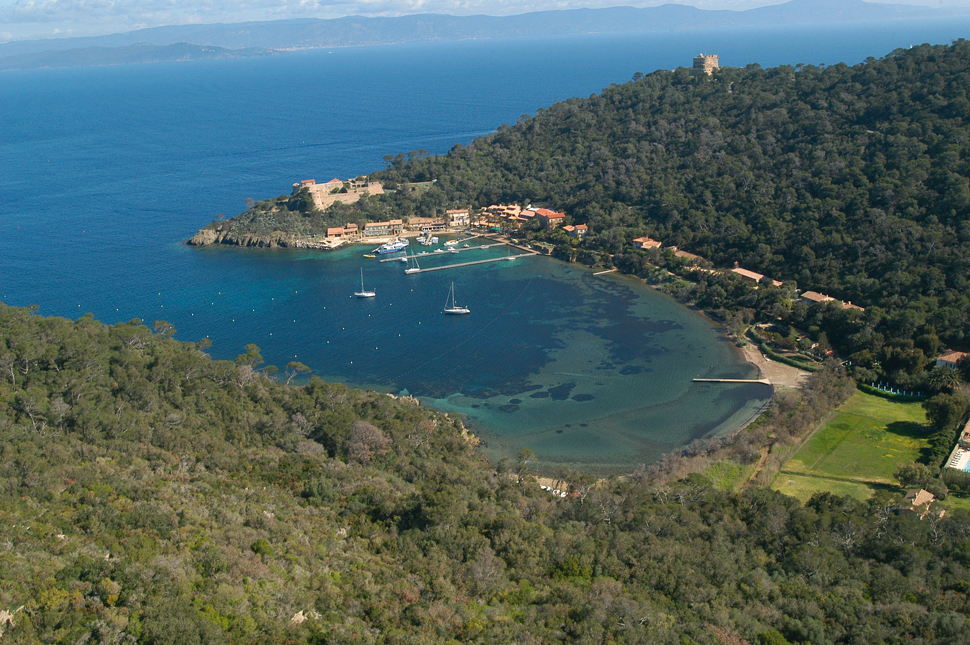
point(591, 372)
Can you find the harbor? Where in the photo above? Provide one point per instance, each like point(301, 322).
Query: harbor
point(468, 264)
point(444, 252)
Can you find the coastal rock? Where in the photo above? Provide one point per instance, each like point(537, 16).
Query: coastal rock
point(274, 240)
point(204, 237)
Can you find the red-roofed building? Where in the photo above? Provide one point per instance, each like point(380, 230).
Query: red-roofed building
point(919, 501)
point(814, 296)
point(754, 276)
point(950, 359)
point(335, 232)
point(646, 243)
point(684, 255)
point(549, 218)
point(303, 183)
point(577, 231)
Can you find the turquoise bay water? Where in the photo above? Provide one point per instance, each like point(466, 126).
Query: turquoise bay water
point(590, 371)
point(105, 171)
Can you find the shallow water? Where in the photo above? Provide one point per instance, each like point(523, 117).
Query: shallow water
point(105, 171)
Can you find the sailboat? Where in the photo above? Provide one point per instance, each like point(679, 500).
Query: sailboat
point(454, 308)
point(363, 293)
point(412, 269)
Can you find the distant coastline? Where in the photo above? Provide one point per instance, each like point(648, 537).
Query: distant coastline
point(262, 38)
point(127, 55)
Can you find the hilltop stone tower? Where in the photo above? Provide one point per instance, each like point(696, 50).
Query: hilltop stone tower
point(705, 64)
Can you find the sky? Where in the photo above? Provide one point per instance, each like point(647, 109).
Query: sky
point(28, 19)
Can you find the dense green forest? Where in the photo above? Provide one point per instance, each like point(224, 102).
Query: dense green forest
point(852, 181)
point(149, 494)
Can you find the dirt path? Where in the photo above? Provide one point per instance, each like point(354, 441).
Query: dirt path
point(780, 375)
point(757, 469)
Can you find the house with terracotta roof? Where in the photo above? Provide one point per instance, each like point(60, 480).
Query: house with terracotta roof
point(392, 227)
point(814, 296)
point(918, 501)
point(332, 185)
point(549, 218)
point(684, 255)
point(950, 359)
point(753, 276)
point(351, 228)
point(821, 298)
point(646, 243)
point(577, 231)
point(337, 231)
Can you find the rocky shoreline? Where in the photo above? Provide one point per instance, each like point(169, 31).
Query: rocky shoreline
point(274, 240)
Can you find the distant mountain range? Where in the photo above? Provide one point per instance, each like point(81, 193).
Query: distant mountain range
point(178, 42)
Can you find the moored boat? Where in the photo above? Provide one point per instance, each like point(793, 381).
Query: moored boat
point(453, 308)
point(363, 293)
point(392, 247)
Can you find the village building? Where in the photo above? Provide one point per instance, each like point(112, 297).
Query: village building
point(376, 229)
point(646, 243)
point(507, 210)
point(337, 231)
point(705, 64)
point(753, 276)
point(814, 296)
point(821, 298)
point(351, 229)
point(578, 231)
point(426, 224)
point(950, 359)
point(549, 218)
point(684, 255)
point(919, 501)
point(458, 216)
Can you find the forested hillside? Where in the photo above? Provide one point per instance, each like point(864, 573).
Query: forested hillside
point(851, 181)
point(151, 495)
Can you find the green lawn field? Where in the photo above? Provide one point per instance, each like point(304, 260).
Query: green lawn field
point(858, 451)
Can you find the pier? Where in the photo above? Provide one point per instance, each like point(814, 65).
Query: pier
point(763, 381)
point(432, 254)
point(604, 272)
point(468, 264)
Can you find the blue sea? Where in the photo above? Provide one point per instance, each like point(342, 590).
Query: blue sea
point(104, 172)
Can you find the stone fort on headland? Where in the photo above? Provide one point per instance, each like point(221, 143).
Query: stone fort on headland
point(704, 64)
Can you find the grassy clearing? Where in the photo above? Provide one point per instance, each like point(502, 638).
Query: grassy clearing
point(729, 476)
point(858, 451)
point(803, 487)
point(952, 503)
